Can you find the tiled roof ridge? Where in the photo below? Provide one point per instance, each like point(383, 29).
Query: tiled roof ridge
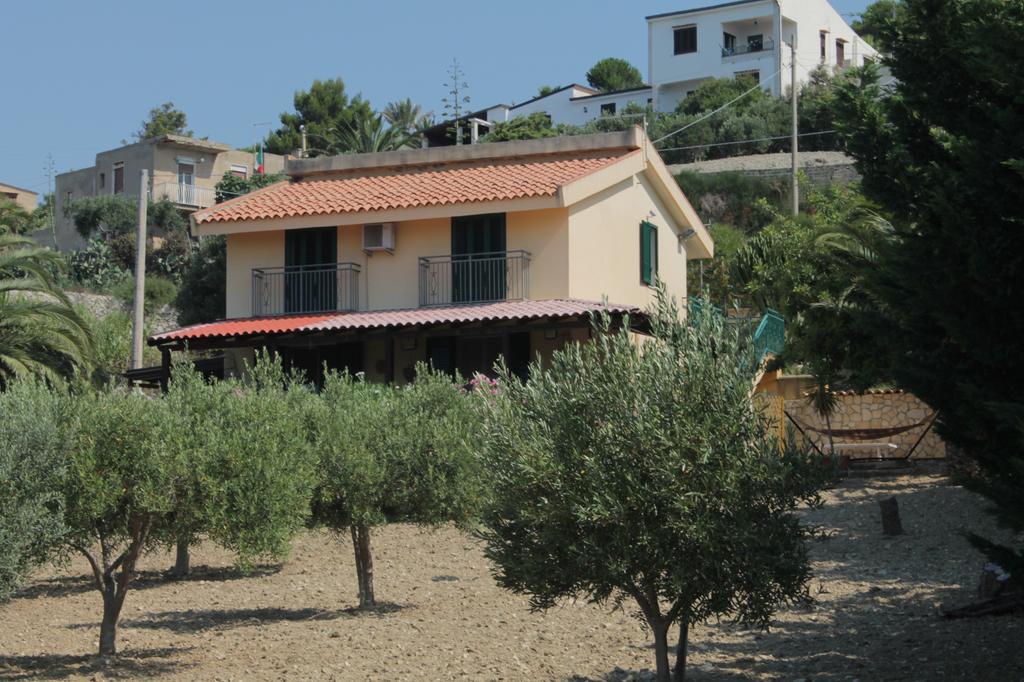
point(405, 187)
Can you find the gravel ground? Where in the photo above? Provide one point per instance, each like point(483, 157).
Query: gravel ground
point(442, 617)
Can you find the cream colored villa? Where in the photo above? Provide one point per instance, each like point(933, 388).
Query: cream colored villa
point(450, 255)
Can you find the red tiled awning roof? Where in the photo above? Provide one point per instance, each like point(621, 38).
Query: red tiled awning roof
point(410, 187)
point(412, 317)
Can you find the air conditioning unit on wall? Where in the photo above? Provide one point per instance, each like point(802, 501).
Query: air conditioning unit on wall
point(378, 237)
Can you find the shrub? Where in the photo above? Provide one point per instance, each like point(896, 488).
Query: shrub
point(32, 455)
point(95, 267)
point(644, 472)
point(159, 292)
point(733, 197)
point(531, 127)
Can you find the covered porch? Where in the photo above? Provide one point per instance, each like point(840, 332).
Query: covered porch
point(385, 346)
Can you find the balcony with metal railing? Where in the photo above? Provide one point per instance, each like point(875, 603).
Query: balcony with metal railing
point(749, 49)
point(184, 194)
point(474, 278)
point(331, 287)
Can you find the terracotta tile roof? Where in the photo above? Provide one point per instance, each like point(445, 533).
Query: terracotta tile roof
point(410, 317)
point(410, 187)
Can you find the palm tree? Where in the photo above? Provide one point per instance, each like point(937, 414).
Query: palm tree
point(369, 134)
point(40, 333)
point(403, 114)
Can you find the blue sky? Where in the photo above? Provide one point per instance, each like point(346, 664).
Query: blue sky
point(81, 76)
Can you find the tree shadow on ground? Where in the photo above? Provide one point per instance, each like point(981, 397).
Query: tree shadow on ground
point(129, 664)
point(63, 586)
point(198, 620)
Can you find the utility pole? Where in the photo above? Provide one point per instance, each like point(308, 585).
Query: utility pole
point(795, 152)
point(49, 167)
point(140, 270)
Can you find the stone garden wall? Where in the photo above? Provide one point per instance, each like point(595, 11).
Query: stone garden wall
point(875, 409)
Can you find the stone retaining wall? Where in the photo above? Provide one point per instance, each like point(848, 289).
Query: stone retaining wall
point(821, 168)
point(873, 410)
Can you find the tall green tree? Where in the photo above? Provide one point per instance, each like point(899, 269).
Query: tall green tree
point(644, 473)
point(325, 110)
point(942, 152)
point(613, 73)
point(201, 296)
point(878, 23)
point(164, 120)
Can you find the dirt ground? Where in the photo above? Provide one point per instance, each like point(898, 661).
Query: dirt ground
point(875, 618)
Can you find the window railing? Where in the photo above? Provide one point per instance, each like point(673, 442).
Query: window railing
point(474, 278)
point(332, 287)
point(184, 194)
point(766, 45)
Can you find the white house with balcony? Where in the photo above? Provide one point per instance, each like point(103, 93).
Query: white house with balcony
point(183, 169)
point(689, 46)
point(746, 37)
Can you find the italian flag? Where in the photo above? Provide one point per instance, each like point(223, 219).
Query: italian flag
point(259, 160)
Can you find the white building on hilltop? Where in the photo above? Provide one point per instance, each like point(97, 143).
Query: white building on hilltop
point(690, 46)
point(746, 37)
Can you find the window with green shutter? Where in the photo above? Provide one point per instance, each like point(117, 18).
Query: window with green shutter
point(648, 253)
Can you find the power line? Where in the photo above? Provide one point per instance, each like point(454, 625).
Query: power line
point(760, 139)
point(710, 114)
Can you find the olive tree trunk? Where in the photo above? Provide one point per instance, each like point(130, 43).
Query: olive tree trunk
point(364, 564)
point(182, 565)
point(660, 629)
point(684, 636)
point(112, 576)
point(112, 603)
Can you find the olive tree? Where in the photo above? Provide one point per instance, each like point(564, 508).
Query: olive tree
point(251, 469)
point(118, 489)
point(394, 454)
point(642, 471)
point(32, 456)
point(230, 461)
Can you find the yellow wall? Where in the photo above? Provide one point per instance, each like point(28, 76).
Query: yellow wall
point(390, 281)
point(604, 240)
point(247, 251)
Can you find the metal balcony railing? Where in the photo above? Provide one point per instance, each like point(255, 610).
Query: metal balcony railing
point(332, 287)
point(184, 194)
point(770, 335)
point(766, 45)
point(474, 278)
point(767, 332)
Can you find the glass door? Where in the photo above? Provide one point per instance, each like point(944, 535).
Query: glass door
point(479, 265)
point(187, 184)
point(310, 274)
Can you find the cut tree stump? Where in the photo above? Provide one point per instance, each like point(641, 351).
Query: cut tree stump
point(891, 524)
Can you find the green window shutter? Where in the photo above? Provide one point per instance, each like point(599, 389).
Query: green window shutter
point(648, 252)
